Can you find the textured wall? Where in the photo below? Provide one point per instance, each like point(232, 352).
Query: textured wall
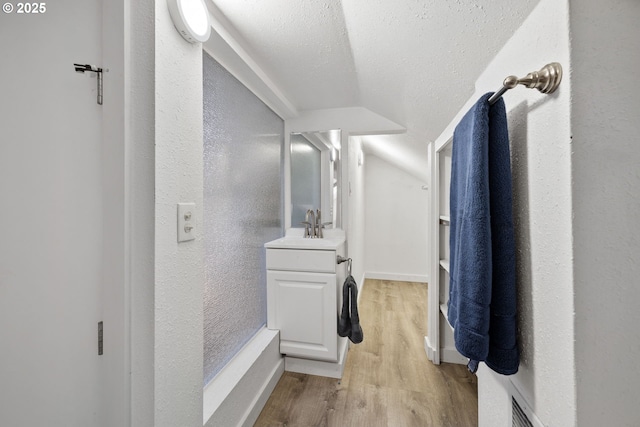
point(540, 134)
point(606, 199)
point(179, 270)
point(242, 211)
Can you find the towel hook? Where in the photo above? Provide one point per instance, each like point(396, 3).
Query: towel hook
point(341, 259)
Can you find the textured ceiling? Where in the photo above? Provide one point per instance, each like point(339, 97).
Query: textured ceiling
point(412, 61)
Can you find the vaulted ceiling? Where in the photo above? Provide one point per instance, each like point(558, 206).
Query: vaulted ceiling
point(412, 61)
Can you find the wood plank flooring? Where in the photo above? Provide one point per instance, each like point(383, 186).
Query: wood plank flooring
point(388, 380)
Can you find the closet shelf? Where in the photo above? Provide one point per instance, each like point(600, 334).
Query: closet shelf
point(445, 312)
point(441, 166)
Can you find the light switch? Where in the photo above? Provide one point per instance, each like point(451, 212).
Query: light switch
point(186, 222)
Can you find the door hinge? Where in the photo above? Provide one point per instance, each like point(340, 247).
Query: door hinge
point(100, 343)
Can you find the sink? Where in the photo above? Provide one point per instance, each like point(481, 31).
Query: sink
point(294, 240)
point(304, 289)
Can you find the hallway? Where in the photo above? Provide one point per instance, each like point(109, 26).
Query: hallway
point(388, 380)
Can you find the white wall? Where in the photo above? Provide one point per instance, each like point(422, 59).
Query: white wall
point(605, 42)
point(540, 135)
point(140, 204)
point(542, 161)
point(355, 193)
point(115, 285)
point(395, 216)
point(179, 268)
point(352, 121)
point(167, 333)
point(601, 241)
point(175, 318)
point(541, 148)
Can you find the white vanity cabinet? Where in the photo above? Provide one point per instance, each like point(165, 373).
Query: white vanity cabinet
point(302, 306)
point(304, 297)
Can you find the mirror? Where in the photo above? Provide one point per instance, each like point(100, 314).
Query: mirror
point(315, 173)
point(305, 178)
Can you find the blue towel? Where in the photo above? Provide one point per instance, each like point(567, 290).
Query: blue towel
point(482, 287)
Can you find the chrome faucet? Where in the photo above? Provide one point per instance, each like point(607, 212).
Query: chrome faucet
point(313, 225)
point(319, 225)
point(310, 224)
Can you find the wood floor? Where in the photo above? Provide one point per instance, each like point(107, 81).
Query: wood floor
point(388, 380)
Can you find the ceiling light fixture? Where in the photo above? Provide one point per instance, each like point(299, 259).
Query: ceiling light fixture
point(191, 19)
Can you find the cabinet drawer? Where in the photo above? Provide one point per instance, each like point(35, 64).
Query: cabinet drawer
point(301, 260)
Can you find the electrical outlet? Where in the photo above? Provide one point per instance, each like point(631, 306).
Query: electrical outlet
point(186, 222)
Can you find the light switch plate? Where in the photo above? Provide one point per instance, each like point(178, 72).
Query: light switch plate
point(186, 222)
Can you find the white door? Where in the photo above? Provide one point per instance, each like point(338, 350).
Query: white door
point(51, 220)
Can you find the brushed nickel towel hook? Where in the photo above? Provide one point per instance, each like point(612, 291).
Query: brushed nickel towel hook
point(341, 259)
point(546, 80)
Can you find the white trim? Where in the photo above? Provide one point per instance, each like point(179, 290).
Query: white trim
point(117, 253)
point(361, 286)
point(238, 393)
point(318, 367)
point(228, 48)
point(433, 313)
point(451, 355)
point(430, 350)
point(400, 277)
point(351, 120)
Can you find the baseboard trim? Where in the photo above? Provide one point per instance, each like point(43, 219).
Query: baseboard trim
point(451, 355)
point(361, 287)
point(236, 396)
point(253, 411)
point(318, 367)
point(430, 350)
point(420, 278)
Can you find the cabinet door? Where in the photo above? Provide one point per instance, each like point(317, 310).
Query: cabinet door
point(303, 307)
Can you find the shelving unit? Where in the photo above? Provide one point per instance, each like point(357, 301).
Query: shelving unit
point(439, 344)
point(444, 310)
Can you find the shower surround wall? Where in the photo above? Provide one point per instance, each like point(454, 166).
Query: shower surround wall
point(243, 142)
